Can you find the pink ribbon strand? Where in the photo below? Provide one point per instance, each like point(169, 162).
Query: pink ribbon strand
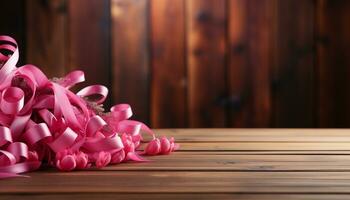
point(42, 121)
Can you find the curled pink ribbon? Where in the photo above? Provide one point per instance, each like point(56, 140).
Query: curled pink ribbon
point(42, 121)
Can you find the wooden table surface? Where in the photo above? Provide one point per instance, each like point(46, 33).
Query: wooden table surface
point(212, 164)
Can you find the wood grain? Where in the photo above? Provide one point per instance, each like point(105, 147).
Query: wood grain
point(265, 152)
point(212, 164)
point(47, 36)
point(260, 139)
point(251, 40)
point(265, 146)
point(293, 71)
point(238, 73)
point(260, 51)
point(198, 63)
point(168, 93)
point(89, 42)
point(257, 135)
point(206, 50)
point(130, 55)
point(180, 182)
point(333, 62)
point(204, 196)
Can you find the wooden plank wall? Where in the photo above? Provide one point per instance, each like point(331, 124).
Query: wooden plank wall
point(45, 36)
point(199, 63)
point(206, 53)
point(293, 96)
point(130, 53)
point(168, 64)
point(333, 63)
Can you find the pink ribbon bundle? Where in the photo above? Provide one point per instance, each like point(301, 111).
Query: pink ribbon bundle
point(42, 121)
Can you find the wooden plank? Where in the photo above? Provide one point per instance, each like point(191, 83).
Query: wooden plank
point(288, 152)
point(130, 55)
point(260, 43)
point(238, 73)
point(206, 49)
point(264, 146)
point(251, 38)
point(168, 99)
point(260, 20)
point(223, 175)
point(13, 24)
point(180, 182)
point(46, 36)
point(293, 83)
point(204, 196)
point(89, 41)
point(256, 135)
point(333, 48)
point(211, 162)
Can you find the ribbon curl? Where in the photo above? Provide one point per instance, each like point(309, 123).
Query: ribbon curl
point(42, 121)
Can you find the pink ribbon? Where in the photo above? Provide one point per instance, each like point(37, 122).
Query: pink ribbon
point(12, 100)
point(42, 121)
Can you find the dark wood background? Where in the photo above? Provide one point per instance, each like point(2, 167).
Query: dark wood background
point(198, 63)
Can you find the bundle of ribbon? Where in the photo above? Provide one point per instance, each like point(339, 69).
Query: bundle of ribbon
point(43, 122)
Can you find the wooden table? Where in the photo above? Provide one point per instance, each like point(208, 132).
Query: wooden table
point(212, 164)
